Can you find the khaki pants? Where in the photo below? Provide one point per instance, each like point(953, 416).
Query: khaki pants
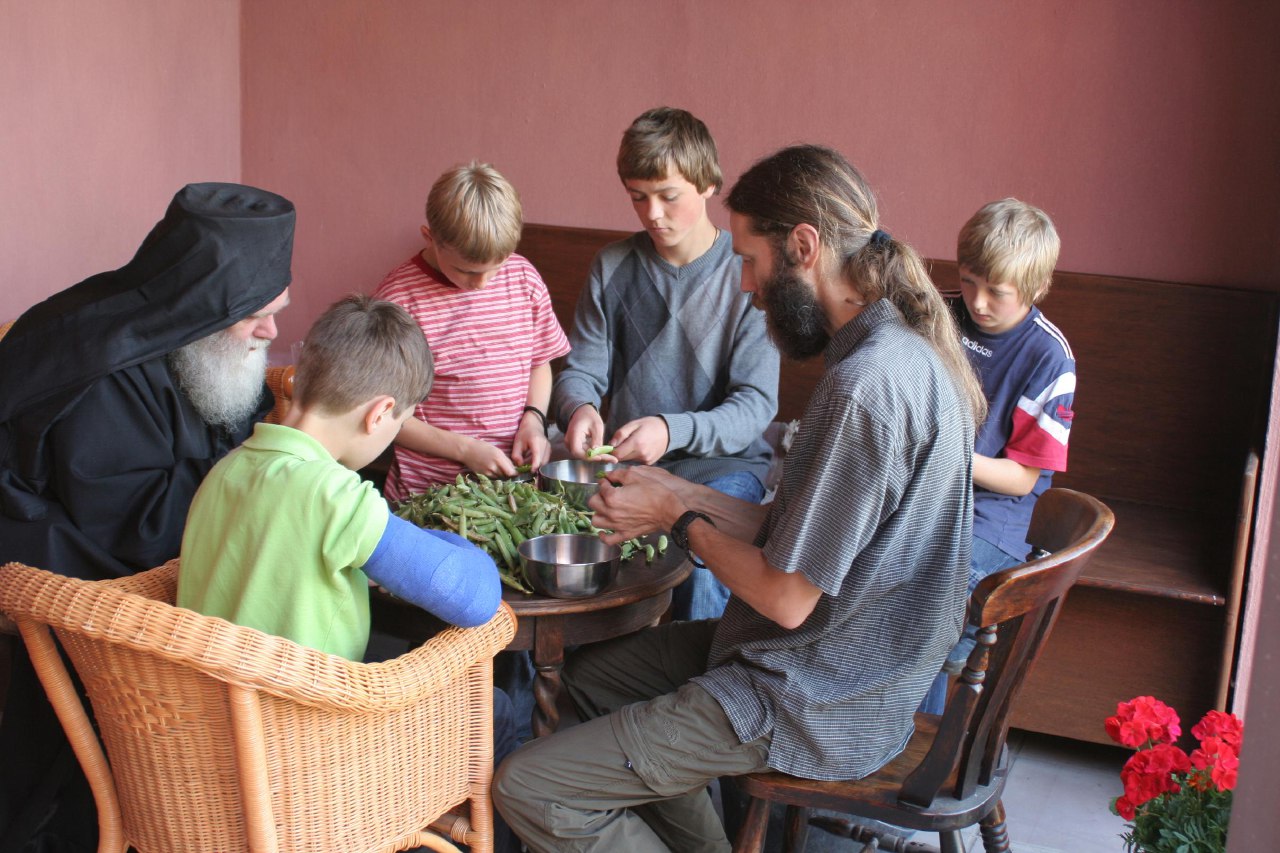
point(633, 777)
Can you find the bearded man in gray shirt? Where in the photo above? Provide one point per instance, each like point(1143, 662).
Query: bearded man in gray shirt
point(847, 591)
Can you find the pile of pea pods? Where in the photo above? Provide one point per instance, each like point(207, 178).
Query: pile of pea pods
point(498, 515)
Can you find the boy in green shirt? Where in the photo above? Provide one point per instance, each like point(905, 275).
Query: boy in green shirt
point(284, 536)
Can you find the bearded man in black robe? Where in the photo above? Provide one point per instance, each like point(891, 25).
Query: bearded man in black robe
point(117, 396)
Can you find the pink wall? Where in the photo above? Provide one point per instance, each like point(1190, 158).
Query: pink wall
point(1148, 130)
point(106, 109)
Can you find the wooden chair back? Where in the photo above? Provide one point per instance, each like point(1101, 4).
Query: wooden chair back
point(280, 381)
point(220, 737)
point(1016, 609)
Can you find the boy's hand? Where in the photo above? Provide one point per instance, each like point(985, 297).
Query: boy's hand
point(531, 446)
point(644, 440)
point(483, 458)
point(585, 431)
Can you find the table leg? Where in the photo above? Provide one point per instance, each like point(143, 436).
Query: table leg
point(548, 661)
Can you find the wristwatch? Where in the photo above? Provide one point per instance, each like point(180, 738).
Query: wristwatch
point(680, 530)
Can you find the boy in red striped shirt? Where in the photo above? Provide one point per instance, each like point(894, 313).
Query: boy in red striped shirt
point(487, 316)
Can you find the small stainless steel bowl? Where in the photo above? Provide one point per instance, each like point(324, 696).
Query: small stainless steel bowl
point(569, 565)
point(576, 479)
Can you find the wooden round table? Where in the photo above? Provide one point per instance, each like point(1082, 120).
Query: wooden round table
point(638, 597)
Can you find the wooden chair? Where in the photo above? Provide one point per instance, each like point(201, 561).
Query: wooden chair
point(953, 770)
point(220, 737)
point(280, 381)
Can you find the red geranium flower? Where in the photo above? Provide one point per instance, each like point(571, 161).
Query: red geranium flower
point(1225, 727)
point(1150, 772)
point(1143, 720)
point(1224, 773)
point(1170, 796)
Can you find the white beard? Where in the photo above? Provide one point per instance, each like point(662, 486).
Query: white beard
point(222, 377)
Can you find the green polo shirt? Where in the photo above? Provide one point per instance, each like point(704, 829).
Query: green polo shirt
point(276, 538)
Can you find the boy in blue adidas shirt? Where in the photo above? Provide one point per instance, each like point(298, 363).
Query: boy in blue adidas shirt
point(1006, 253)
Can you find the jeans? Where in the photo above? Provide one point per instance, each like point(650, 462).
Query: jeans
point(701, 596)
point(504, 743)
point(986, 559)
point(513, 674)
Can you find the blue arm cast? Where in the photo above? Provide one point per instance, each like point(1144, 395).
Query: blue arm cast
point(439, 571)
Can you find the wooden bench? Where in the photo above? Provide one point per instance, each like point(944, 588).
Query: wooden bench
point(1174, 388)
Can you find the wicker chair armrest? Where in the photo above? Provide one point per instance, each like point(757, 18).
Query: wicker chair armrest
point(127, 611)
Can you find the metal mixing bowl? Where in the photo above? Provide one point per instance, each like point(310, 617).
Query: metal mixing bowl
point(576, 479)
point(569, 565)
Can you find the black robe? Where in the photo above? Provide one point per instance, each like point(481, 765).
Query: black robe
point(121, 467)
point(101, 452)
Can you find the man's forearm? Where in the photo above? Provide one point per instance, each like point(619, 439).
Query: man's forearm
point(733, 516)
point(787, 598)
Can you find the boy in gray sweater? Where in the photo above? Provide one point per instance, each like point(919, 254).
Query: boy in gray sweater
point(664, 333)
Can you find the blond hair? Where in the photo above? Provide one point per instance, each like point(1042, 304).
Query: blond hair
point(361, 348)
point(664, 138)
point(476, 212)
point(818, 186)
point(1009, 241)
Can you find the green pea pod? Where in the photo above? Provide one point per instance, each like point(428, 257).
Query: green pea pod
point(513, 581)
point(516, 536)
point(508, 547)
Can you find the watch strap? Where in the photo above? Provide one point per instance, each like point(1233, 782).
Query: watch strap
point(680, 530)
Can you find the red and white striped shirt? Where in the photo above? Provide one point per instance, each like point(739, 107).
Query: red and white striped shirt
point(485, 344)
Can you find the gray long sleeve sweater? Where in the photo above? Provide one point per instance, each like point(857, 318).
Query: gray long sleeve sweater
point(680, 342)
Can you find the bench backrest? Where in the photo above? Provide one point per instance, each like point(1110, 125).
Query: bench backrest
point(1173, 377)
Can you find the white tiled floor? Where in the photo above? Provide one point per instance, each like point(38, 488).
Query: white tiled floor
point(1058, 796)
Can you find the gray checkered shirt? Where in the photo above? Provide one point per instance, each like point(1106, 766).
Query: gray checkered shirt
point(876, 509)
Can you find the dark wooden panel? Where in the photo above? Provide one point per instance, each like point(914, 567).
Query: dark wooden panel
point(1163, 552)
point(563, 258)
point(1109, 647)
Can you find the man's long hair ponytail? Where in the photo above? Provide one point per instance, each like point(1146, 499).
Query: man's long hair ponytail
point(890, 269)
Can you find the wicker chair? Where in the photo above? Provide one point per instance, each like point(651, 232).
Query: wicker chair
point(952, 773)
point(223, 738)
